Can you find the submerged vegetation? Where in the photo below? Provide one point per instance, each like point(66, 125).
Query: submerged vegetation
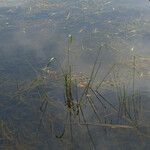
point(85, 103)
point(84, 94)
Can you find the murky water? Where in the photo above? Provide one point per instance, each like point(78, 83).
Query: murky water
point(108, 47)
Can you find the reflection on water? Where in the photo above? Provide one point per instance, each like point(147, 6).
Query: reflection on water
point(87, 92)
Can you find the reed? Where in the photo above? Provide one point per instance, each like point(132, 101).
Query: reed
point(77, 100)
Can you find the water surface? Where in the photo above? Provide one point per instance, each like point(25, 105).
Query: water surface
point(34, 32)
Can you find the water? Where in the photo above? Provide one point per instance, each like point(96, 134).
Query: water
point(33, 113)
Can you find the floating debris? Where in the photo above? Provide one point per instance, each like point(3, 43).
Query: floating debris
point(132, 49)
point(133, 31)
point(24, 30)
point(81, 30)
point(141, 75)
point(68, 16)
point(95, 30)
point(52, 59)
point(107, 3)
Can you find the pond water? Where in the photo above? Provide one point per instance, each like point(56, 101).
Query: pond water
point(74, 74)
